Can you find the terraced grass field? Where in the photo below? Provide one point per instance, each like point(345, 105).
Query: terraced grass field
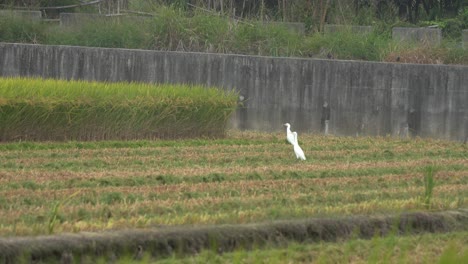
point(248, 177)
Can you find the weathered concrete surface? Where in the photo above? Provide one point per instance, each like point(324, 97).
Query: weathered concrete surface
point(432, 36)
point(364, 98)
point(328, 28)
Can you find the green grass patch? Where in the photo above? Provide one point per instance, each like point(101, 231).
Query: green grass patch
point(350, 45)
point(433, 248)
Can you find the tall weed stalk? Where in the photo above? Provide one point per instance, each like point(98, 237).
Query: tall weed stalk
point(54, 215)
point(429, 184)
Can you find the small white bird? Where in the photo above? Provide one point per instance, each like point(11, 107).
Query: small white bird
point(289, 134)
point(297, 148)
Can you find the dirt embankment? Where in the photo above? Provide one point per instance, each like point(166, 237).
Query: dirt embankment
point(161, 242)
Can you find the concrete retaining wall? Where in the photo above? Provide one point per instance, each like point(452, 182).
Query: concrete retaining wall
point(364, 98)
point(431, 36)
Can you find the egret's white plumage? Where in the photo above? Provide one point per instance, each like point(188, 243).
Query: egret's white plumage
point(289, 134)
point(297, 148)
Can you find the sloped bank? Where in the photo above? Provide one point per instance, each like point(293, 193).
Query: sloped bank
point(165, 241)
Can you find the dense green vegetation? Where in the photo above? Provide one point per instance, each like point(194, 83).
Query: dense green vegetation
point(37, 109)
point(244, 178)
point(175, 28)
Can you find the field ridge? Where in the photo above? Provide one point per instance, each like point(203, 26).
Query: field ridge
point(165, 241)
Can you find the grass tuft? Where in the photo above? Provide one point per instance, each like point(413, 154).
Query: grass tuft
point(429, 184)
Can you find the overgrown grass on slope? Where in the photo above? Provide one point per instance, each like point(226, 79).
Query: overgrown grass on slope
point(18, 29)
point(103, 32)
point(351, 45)
point(37, 109)
point(171, 29)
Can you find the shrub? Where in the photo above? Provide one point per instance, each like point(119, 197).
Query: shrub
point(266, 39)
point(349, 45)
point(103, 32)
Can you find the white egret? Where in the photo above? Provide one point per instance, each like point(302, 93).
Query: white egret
point(289, 134)
point(297, 148)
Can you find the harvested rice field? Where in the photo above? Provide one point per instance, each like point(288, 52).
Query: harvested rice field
point(49, 188)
